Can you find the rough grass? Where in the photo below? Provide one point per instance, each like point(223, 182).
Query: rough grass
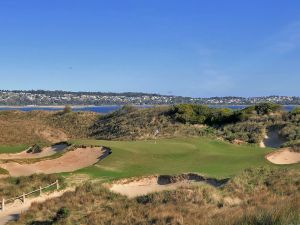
point(173, 156)
point(131, 123)
point(3, 171)
point(13, 187)
point(75, 124)
point(204, 205)
point(43, 127)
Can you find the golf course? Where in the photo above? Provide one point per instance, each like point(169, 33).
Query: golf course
point(209, 157)
point(162, 164)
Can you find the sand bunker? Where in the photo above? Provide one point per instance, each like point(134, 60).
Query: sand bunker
point(69, 162)
point(146, 185)
point(284, 156)
point(45, 152)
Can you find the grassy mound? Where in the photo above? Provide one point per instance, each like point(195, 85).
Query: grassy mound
point(74, 124)
point(269, 202)
point(131, 123)
point(29, 128)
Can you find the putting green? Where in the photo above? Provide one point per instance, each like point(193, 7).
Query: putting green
point(172, 156)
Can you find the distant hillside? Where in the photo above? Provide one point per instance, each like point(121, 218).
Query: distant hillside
point(238, 126)
point(248, 125)
point(42, 97)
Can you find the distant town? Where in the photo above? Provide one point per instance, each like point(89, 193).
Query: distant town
point(47, 98)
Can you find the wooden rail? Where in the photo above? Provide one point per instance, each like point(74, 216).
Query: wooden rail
point(24, 195)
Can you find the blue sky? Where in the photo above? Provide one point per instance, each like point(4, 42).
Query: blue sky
point(183, 47)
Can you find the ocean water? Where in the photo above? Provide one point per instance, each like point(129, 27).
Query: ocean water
point(108, 109)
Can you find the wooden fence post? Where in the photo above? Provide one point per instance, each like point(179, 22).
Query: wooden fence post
point(57, 185)
point(40, 190)
point(3, 204)
point(23, 197)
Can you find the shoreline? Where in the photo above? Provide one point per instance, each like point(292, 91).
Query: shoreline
point(90, 106)
point(52, 106)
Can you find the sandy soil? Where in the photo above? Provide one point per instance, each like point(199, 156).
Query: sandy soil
point(141, 187)
point(69, 162)
point(12, 212)
point(262, 143)
point(52, 135)
point(45, 152)
point(284, 156)
point(146, 185)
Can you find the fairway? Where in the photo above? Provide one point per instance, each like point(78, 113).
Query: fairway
point(172, 156)
point(12, 149)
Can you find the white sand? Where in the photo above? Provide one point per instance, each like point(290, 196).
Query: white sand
point(145, 186)
point(284, 156)
point(69, 162)
point(45, 152)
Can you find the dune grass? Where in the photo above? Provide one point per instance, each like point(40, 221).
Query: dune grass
point(172, 156)
point(260, 196)
point(12, 148)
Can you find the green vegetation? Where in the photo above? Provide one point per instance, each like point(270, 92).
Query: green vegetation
point(250, 132)
point(267, 108)
point(35, 149)
point(67, 109)
point(130, 123)
point(295, 145)
point(164, 140)
point(12, 149)
point(261, 196)
point(172, 156)
point(296, 111)
point(199, 114)
point(183, 120)
point(3, 171)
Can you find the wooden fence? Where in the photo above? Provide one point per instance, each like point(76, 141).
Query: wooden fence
point(22, 197)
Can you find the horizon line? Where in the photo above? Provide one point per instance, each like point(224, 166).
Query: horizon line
point(141, 92)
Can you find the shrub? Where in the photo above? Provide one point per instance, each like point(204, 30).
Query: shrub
point(35, 149)
point(61, 214)
point(188, 113)
point(267, 108)
point(295, 111)
point(294, 145)
point(246, 131)
point(290, 132)
point(67, 109)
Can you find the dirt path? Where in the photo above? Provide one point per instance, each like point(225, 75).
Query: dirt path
point(45, 152)
point(12, 212)
point(69, 162)
point(284, 156)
